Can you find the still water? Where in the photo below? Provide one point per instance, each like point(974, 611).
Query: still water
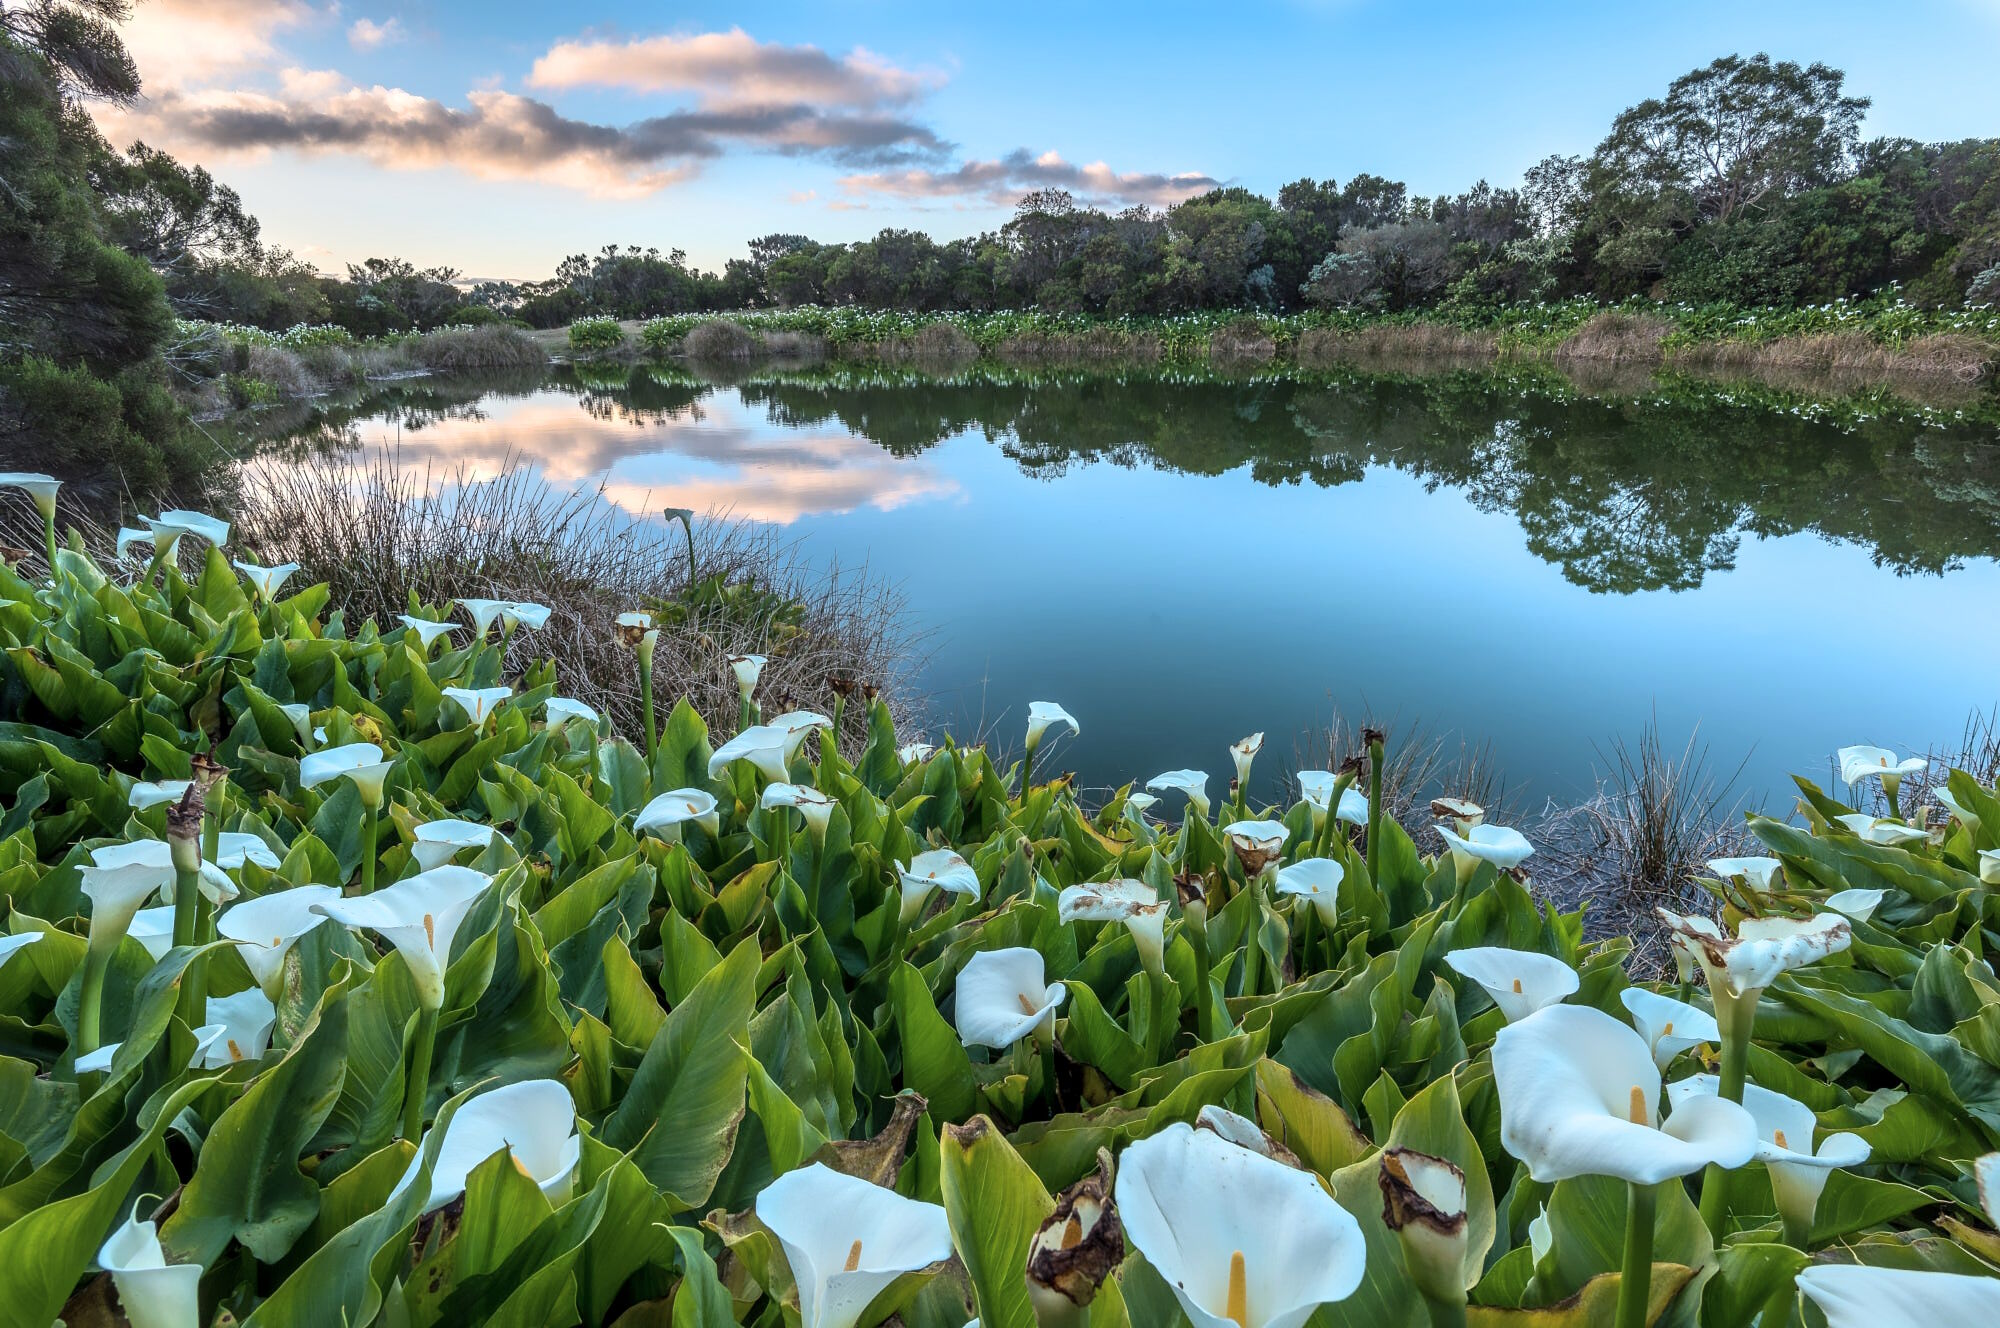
point(1183, 559)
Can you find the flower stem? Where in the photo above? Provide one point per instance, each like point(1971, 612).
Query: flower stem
point(1734, 1016)
point(1027, 771)
point(646, 704)
point(1374, 811)
point(1635, 1283)
point(49, 533)
point(1446, 1313)
point(90, 999)
point(187, 904)
point(1251, 949)
point(1305, 939)
point(420, 1074)
point(368, 825)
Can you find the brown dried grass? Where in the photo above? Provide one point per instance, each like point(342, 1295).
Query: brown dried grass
point(1616, 336)
point(1323, 347)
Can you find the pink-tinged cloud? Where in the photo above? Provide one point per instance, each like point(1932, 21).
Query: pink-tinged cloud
point(731, 69)
point(368, 35)
point(1003, 180)
point(180, 42)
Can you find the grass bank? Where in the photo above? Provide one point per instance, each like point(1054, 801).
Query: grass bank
point(222, 368)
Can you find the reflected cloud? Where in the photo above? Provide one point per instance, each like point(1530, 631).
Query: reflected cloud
point(721, 459)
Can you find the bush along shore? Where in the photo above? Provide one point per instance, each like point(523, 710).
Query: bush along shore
point(350, 977)
point(1881, 338)
point(221, 367)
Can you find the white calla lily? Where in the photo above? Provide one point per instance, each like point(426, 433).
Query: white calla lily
point(21, 940)
point(484, 613)
point(913, 753)
point(1002, 997)
point(266, 927)
point(678, 807)
point(1965, 815)
point(122, 877)
point(157, 793)
point(478, 702)
point(1464, 814)
point(814, 806)
point(1785, 1127)
point(1989, 866)
point(1859, 763)
point(765, 746)
point(1519, 981)
point(1133, 903)
point(96, 1062)
point(1503, 846)
point(245, 1020)
point(1858, 1296)
point(1742, 965)
point(301, 716)
point(1045, 715)
point(1317, 881)
point(534, 1120)
point(150, 927)
point(1669, 1027)
point(1140, 803)
point(266, 580)
point(1755, 873)
point(935, 869)
point(42, 488)
point(1241, 1131)
point(233, 848)
point(419, 915)
point(1242, 753)
point(1258, 844)
point(1243, 1241)
point(847, 1240)
point(1986, 1177)
point(1194, 783)
point(359, 761)
point(1858, 904)
point(559, 711)
point(428, 632)
point(438, 842)
point(1316, 787)
point(522, 613)
point(1883, 831)
point(152, 1292)
point(1579, 1096)
point(748, 671)
point(797, 726)
point(634, 620)
point(164, 531)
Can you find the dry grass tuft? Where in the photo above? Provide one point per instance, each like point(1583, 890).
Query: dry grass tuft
point(1851, 358)
point(1616, 336)
point(721, 339)
point(1242, 341)
point(379, 533)
point(1324, 347)
point(495, 346)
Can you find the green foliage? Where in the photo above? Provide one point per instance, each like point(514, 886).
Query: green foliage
point(593, 335)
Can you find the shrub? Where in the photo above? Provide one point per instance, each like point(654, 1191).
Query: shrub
point(492, 346)
point(595, 335)
point(721, 339)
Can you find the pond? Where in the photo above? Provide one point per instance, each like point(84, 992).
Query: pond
point(1182, 558)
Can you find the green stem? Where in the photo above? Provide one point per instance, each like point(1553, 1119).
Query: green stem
point(1027, 771)
point(187, 906)
point(90, 999)
point(1306, 937)
point(1046, 1042)
point(1734, 1016)
point(49, 533)
point(1374, 811)
point(1635, 1284)
point(420, 1074)
point(1446, 1313)
point(1251, 950)
point(646, 705)
point(1197, 933)
point(369, 818)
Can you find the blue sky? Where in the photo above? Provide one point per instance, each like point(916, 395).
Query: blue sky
point(500, 136)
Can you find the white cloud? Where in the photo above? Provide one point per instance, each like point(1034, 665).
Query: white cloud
point(732, 69)
point(367, 35)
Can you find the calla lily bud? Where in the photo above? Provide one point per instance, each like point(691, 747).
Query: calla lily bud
point(1257, 844)
point(632, 627)
point(1245, 1133)
point(208, 772)
point(1076, 1249)
point(748, 670)
point(1423, 1202)
point(184, 830)
point(1192, 892)
point(1243, 753)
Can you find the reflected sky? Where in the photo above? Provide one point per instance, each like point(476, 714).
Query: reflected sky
point(1181, 564)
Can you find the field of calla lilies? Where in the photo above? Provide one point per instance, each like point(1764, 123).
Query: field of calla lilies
point(347, 978)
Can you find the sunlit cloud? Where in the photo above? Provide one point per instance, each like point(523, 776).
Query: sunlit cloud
point(731, 69)
point(181, 42)
point(1003, 180)
point(367, 35)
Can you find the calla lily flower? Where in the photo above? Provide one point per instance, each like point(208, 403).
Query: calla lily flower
point(1669, 1027)
point(1003, 997)
point(266, 580)
point(1464, 814)
point(128, 536)
point(677, 808)
point(484, 612)
point(121, 877)
point(747, 669)
point(1139, 803)
point(246, 1020)
point(1316, 787)
point(1423, 1202)
point(1785, 1128)
point(1316, 880)
point(1243, 753)
point(534, 1120)
point(264, 928)
point(1989, 866)
point(360, 761)
point(427, 631)
point(233, 848)
point(478, 702)
point(1742, 965)
point(1857, 904)
point(98, 1061)
point(438, 842)
point(21, 940)
point(1858, 1296)
point(1194, 783)
point(561, 710)
point(814, 806)
point(150, 927)
point(419, 915)
point(1258, 844)
point(152, 1292)
point(155, 794)
point(1881, 830)
point(848, 1240)
point(1519, 981)
point(1503, 846)
point(1950, 804)
point(911, 753)
point(1243, 1241)
point(635, 622)
point(1859, 763)
point(1579, 1096)
point(521, 613)
point(1755, 873)
point(42, 488)
point(164, 531)
point(1244, 1133)
point(798, 726)
point(1133, 903)
point(301, 716)
point(937, 869)
point(1044, 715)
point(1986, 1176)
point(765, 746)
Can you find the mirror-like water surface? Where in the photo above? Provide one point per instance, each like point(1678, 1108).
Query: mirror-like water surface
point(1181, 560)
